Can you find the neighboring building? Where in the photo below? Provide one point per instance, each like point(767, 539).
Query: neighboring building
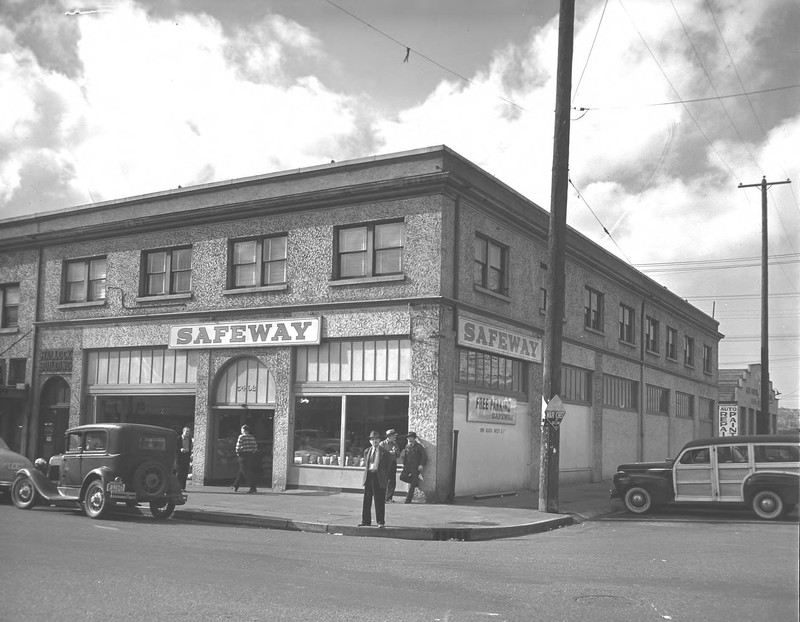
point(742, 388)
point(404, 291)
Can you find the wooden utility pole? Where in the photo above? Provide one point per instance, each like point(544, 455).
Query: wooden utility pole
point(763, 422)
point(556, 244)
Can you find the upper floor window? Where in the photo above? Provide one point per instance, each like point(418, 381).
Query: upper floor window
point(167, 272)
point(672, 343)
point(651, 337)
point(258, 262)
point(491, 265)
point(543, 293)
point(627, 327)
point(707, 359)
point(9, 305)
point(370, 250)
point(593, 309)
point(84, 280)
point(688, 351)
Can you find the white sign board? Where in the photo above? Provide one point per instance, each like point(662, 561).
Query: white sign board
point(481, 336)
point(287, 332)
point(487, 408)
point(728, 420)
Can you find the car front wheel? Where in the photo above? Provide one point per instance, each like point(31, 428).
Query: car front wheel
point(767, 504)
point(96, 501)
point(162, 509)
point(23, 493)
point(638, 500)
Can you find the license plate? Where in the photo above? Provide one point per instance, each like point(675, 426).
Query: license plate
point(114, 487)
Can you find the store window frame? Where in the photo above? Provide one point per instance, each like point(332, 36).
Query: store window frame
point(477, 369)
point(576, 384)
point(620, 393)
point(370, 249)
point(657, 400)
point(707, 409)
point(17, 371)
point(593, 309)
point(491, 265)
point(684, 405)
point(93, 287)
point(265, 262)
point(671, 345)
point(172, 274)
point(9, 306)
point(652, 329)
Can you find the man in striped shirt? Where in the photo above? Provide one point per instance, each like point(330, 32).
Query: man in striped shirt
point(246, 447)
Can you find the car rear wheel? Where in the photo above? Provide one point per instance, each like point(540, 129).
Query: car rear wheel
point(150, 479)
point(638, 500)
point(23, 493)
point(162, 509)
point(96, 501)
point(767, 504)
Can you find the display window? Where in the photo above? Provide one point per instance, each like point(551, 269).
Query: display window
point(334, 430)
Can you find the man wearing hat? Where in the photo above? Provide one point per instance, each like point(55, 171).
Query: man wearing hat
point(376, 476)
point(390, 445)
point(414, 459)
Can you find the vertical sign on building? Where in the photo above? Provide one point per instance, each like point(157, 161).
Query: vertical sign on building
point(728, 419)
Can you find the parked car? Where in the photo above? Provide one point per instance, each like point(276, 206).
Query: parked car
point(105, 464)
point(10, 463)
point(760, 472)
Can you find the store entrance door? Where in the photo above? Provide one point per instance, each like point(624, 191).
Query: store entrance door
point(227, 427)
point(53, 418)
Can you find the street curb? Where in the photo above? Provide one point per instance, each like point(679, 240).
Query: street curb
point(471, 534)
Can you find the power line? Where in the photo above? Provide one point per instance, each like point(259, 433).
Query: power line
point(741, 296)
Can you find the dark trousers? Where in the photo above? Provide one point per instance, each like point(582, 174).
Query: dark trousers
point(245, 474)
point(412, 485)
point(390, 485)
point(373, 490)
point(184, 461)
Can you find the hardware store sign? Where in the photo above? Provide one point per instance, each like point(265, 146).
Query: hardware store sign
point(482, 336)
point(287, 332)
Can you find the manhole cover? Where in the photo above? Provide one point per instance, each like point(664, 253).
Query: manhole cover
point(605, 600)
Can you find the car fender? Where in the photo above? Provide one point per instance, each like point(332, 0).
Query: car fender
point(657, 485)
point(103, 473)
point(46, 489)
point(786, 484)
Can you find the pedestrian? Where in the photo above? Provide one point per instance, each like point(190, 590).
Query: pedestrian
point(414, 459)
point(390, 445)
point(246, 447)
point(376, 475)
point(184, 459)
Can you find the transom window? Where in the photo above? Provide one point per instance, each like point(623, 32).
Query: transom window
point(576, 384)
point(672, 343)
point(657, 400)
point(489, 371)
point(688, 351)
point(620, 392)
point(9, 303)
point(684, 405)
point(258, 262)
point(627, 327)
point(370, 250)
point(706, 409)
point(593, 309)
point(652, 327)
point(84, 280)
point(168, 272)
point(491, 265)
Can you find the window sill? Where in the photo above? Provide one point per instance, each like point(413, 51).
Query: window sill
point(689, 365)
point(9, 330)
point(367, 280)
point(627, 344)
point(672, 359)
point(491, 293)
point(163, 298)
point(595, 331)
point(653, 352)
point(256, 290)
point(81, 305)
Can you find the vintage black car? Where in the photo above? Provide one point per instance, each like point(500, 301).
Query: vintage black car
point(760, 472)
point(105, 464)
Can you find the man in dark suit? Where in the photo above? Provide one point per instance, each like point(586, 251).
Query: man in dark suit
point(376, 475)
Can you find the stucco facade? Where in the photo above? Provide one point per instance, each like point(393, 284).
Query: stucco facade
point(396, 346)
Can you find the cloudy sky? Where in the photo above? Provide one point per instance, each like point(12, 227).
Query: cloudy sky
point(677, 102)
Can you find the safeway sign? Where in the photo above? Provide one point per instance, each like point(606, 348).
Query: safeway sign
point(284, 332)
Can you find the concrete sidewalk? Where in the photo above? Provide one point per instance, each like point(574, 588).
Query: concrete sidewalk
point(468, 518)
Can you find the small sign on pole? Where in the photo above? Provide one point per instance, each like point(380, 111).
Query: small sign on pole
point(554, 412)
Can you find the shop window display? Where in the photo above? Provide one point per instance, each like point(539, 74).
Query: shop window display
point(320, 421)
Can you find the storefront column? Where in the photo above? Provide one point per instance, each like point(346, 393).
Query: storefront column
point(201, 418)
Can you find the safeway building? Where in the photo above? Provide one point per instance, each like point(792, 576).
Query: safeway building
point(403, 291)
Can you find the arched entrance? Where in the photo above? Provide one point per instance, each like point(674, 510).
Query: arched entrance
point(245, 394)
point(53, 417)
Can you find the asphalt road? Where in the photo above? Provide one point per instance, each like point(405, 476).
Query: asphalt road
point(58, 564)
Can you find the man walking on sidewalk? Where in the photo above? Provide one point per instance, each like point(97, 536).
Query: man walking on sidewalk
point(376, 475)
point(246, 448)
point(414, 459)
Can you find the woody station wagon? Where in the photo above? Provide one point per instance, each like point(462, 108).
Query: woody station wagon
point(107, 464)
point(760, 472)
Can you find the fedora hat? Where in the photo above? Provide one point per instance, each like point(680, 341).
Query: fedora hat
point(374, 434)
point(391, 431)
point(411, 435)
